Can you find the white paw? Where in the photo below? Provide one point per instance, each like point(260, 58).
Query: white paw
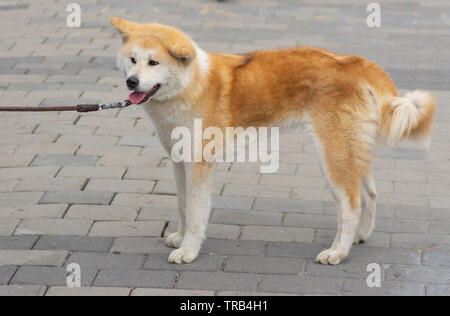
point(174, 240)
point(183, 255)
point(331, 256)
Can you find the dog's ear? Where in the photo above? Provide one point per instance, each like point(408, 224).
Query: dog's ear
point(183, 51)
point(124, 27)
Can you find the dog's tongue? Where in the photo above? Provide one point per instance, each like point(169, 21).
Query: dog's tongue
point(137, 97)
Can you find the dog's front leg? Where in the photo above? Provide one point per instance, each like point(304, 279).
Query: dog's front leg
point(198, 208)
point(174, 240)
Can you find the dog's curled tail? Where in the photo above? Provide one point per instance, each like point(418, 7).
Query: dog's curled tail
point(405, 117)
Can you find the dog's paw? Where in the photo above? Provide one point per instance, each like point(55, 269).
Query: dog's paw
point(174, 240)
point(183, 255)
point(331, 256)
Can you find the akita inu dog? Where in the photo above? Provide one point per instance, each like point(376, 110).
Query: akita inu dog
point(345, 102)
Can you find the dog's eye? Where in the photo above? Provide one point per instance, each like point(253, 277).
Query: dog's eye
point(133, 60)
point(153, 63)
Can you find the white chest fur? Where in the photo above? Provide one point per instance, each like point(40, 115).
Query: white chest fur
point(167, 116)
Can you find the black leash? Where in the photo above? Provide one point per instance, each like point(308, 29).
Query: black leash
point(83, 108)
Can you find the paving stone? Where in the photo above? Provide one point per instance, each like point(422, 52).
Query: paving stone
point(204, 262)
point(440, 228)
point(148, 173)
point(293, 181)
point(87, 291)
point(49, 149)
point(294, 250)
point(32, 258)
point(289, 206)
point(310, 221)
point(69, 129)
point(242, 217)
point(256, 190)
point(266, 265)
point(362, 253)
point(158, 213)
point(423, 213)
point(305, 285)
point(234, 247)
point(7, 226)
point(92, 172)
point(144, 279)
point(20, 199)
point(29, 172)
point(217, 281)
point(129, 161)
point(286, 234)
point(169, 292)
point(77, 197)
point(69, 227)
point(438, 290)
point(64, 160)
point(102, 212)
point(145, 200)
point(22, 290)
point(103, 261)
point(50, 184)
point(420, 241)
point(139, 245)
point(110, 185)
point(74, 243)
point(99, 149)
point(16, 160)
point(6, 273)
point(233, 203)
point(86, 139)
point(17, 242)
point(127, 229)
point(401, 226)
point(28, 139)
point(49, 275)
point(169, 187)
point(33, 211)
point(440, 275)
point(436, 258)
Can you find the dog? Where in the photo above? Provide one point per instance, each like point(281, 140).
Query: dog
point(346, 103)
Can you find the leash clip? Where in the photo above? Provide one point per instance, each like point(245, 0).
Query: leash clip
point(115, 105)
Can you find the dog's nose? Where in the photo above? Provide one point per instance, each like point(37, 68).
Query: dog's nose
point(132, 82)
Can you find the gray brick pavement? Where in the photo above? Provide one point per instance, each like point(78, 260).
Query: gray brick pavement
point(96, 188)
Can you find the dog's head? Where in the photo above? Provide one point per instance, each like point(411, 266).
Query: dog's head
point(157, 60)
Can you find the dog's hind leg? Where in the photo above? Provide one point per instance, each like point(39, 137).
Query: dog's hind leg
point(368, 214)
point(341, 169)
point(198, 208)
point(174, 240)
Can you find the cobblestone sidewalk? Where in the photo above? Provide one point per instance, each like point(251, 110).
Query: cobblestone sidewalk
point(96, 189)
